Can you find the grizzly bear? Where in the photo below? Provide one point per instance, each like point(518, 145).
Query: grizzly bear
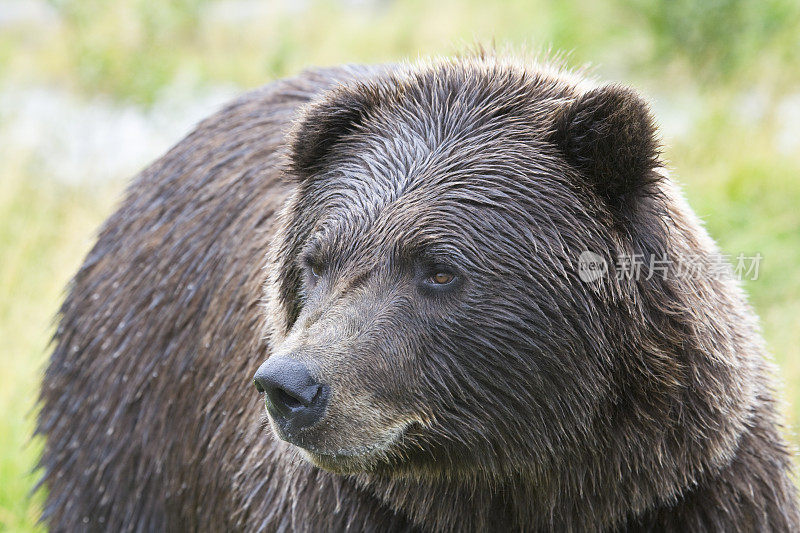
point(393, 255)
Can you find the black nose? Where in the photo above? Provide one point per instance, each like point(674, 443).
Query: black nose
point(294, 398)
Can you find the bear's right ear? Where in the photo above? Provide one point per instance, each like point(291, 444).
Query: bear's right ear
point(608, 134)
point(324, 123)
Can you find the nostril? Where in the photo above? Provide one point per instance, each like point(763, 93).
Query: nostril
point(259, 386)
point(288, 400)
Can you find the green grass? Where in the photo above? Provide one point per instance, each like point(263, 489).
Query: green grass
point(748, 192)
point(45, 229)
point(134, 50)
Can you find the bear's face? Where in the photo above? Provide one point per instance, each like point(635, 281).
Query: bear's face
point(426, 275)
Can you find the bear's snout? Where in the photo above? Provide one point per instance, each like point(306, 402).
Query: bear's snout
point(294, 398)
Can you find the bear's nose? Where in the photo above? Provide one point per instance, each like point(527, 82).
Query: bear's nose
point(294, 398)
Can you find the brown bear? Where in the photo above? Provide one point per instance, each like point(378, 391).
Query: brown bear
point(395, 256)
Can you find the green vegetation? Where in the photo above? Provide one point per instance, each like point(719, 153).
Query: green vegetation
point(45, 229)
point(705, 61)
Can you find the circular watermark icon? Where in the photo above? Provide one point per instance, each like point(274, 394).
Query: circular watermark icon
point(591, 266)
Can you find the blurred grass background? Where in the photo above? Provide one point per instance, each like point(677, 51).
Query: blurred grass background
point(92, 90)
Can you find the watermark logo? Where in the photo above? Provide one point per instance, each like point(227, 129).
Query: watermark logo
point(591, 266)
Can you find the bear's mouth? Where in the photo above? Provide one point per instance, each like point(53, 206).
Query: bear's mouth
point(350, 459)
point(349, 462)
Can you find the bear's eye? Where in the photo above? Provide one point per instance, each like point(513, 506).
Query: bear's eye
point(314, 270)
point(441, 278)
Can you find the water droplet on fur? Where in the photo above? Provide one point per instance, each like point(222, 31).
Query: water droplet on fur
point(85, 519)
point(155, 374)
point(95, 297)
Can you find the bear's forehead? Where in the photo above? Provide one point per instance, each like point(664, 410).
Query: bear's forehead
point(449, 128)
point(429, 201)
point(449, 153)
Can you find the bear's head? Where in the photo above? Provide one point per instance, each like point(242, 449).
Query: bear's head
point(428, 307)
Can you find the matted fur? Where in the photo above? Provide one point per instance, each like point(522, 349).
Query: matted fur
point(526, 399)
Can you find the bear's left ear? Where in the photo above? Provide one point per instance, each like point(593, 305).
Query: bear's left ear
point(608, 134)
point(325, 122)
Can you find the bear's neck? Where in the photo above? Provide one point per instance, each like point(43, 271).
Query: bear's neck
point(753, 492)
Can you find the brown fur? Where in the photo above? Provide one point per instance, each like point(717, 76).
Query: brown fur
point(519, 398)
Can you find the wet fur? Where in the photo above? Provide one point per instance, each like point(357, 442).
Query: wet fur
point(532, 401)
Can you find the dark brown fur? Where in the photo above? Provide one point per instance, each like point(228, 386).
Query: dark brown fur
point(522, 399)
